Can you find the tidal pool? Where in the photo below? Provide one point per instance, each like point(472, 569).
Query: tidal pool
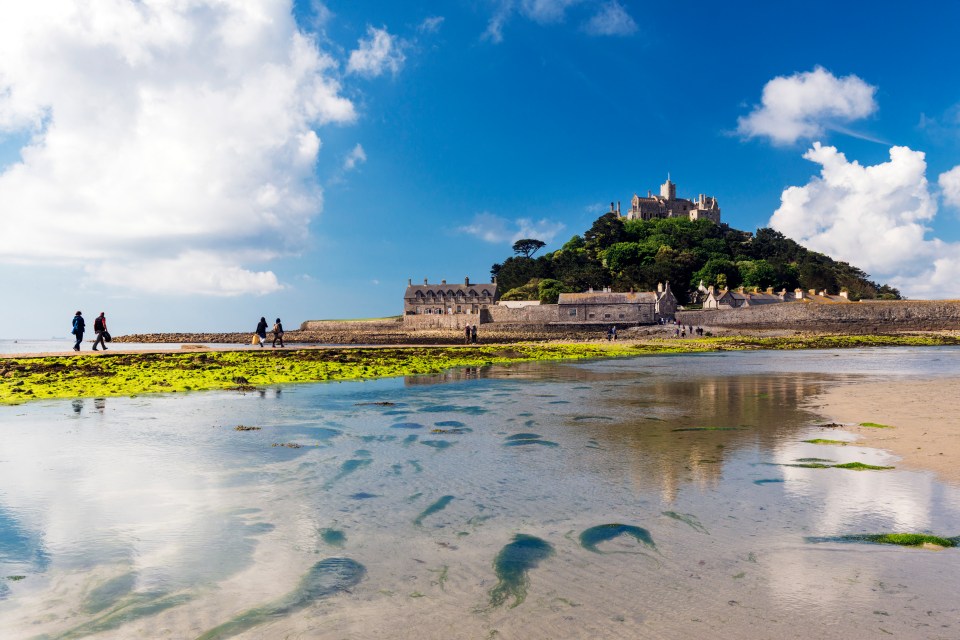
point(154, 517)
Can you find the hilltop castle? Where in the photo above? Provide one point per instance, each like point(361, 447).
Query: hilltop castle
point(668, 205)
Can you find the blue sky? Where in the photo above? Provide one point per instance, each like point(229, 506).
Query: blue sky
point(195, 165)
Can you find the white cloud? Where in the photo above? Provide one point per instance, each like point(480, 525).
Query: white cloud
point(172, 143)
point(611, 20)
point(950, 184)
point(805, 104)
point(496, 229)
point(875, 218)
point(377, 53)
point(430, 24)
point(356, 157)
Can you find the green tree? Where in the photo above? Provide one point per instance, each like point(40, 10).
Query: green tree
point(549, 291)
point(527, 247)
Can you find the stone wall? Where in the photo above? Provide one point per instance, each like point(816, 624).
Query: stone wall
point(539, 314)
point(442, 321)
point(855, 317)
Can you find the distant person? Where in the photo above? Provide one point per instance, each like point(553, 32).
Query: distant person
point(278, 333)
point(473, 334)
point(609, 334)
point(78, 327)
point(100, 328)
point(466, 334)
point(613, 332)
point(262, 331)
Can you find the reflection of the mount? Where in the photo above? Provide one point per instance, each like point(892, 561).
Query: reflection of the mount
point(675, 430)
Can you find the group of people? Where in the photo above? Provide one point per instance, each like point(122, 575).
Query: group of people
point(99, 328)
point(470, 334)
point(261, 335)
point(681, 331)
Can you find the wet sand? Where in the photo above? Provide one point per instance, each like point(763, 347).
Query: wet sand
point(924, 416)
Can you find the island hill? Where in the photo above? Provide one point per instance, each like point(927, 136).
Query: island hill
point(671, 259)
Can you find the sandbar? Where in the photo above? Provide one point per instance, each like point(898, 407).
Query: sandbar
point(923, 416)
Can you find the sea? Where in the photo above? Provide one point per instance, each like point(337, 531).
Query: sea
point(650, 497)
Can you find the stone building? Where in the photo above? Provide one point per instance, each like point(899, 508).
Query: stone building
point(449, 299)
point(608, 307)
point(723, 299)
point(668, 205)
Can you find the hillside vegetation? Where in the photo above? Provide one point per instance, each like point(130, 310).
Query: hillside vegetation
point(638, 254)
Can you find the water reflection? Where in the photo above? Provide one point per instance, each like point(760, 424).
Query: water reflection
point(539, 485)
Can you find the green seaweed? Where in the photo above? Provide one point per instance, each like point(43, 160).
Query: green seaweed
point(134, 607)
point(767, 481)
point(901, 539)
point(333, 537)
point(437, 444)
point(523, 436)
point(348, 467)
point(826, 441)
point(441, 576)
point(590, 538)
point(27, 378)
point(512, 565)
point(812, 460)
point(436, 507)
point(689, 519)
point(875, 425)
point(109, 593)
point(327, 577)
point(856, 466)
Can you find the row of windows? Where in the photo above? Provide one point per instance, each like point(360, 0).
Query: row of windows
point(450, 294)
point(439, 311)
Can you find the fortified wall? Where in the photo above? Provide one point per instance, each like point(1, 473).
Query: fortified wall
point(858, 317)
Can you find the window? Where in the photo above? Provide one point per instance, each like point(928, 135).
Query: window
point(590, 316)
point(459, 310)
point(572, 312)
point(606, 316)
point(621, 316)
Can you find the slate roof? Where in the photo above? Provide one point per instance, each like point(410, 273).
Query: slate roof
point(454, 288)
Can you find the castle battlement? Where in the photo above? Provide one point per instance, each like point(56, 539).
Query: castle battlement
point(668, 205)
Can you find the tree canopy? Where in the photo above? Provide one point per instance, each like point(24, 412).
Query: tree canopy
point(639, 254)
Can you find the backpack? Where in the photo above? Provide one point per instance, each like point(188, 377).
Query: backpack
point(98, 324)
point(276, 328)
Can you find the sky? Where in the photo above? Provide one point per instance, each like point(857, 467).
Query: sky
point(193, 165)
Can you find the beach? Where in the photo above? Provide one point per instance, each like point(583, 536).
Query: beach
point(922, 419)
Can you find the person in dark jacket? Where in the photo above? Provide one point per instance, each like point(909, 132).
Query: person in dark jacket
point(262, 330)
point(100, 328)
point(78, 327)
point(278, 333)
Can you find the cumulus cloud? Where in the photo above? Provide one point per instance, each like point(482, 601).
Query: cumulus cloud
point(611, 20)
point(805, 104)
point(496, 229)
point(874, 217)
point(950, 184)
point(172, 145)
point(376, 54)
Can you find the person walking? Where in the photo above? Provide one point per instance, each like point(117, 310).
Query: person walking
point(277, 334)
point(78, 327)
point(466, 334)
point(473, 334)
point(262, 331)
point(100, 328)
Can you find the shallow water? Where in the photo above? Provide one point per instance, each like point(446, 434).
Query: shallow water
point(650, 497)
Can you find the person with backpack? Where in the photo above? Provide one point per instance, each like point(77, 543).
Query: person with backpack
point(78, 326)
point(278, 333)
point(100, 328)
point(262, 331)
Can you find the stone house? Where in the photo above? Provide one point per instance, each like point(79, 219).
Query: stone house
point(449, 299)
point(608, 307)
point(735, 298)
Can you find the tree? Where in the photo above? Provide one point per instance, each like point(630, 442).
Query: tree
point(527, 247)
point(549, 291)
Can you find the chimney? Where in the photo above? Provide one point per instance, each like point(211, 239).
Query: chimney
point(424, 281)
point(409, 282)
point(823, 293)
point(813, 292)
point(845, 295)
point(649, 193)
point(740, 290)
point(494, 279)
point(590, 290)
point(659, 287)
point(618, 207)
point(770, 290)
point(466, 282)
point(443, 282)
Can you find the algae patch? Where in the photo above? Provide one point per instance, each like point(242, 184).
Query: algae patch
point(688, 519)
point(590, 538)
point(325, 578)
point(826, 441)
point(900, 539)
point(333, 537)
point(512, 566)
point(436, 507)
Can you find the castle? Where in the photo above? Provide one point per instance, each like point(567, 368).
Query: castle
point(668, 205)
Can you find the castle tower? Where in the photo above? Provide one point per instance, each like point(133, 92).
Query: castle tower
point(668, 190)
